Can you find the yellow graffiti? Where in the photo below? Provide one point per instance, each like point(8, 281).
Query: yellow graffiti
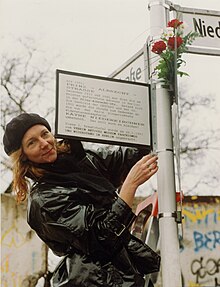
point(193, 284)
point(199, 214)
point(12, 280)
point(9, 278)
point(5, 264)
point(12, 237)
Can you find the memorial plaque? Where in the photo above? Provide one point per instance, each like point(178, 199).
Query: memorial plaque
point(102, 110)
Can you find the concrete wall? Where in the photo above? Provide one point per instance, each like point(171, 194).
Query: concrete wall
point(23, 256)
point(199, 239)
point(200, 247)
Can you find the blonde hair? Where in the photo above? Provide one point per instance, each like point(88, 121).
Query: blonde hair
point(22, 168)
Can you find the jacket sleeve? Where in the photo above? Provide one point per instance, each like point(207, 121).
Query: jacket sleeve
point(64, 224)
point(114, 162)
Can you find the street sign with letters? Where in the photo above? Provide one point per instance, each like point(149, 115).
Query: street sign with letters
point(135, 69)
point(206, 23)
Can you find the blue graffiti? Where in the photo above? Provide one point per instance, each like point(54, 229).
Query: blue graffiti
point(209, 240)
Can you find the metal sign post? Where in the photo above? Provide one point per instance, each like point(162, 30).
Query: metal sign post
point(169, 244)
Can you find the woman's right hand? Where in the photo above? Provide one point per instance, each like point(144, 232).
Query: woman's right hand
point(139, 173)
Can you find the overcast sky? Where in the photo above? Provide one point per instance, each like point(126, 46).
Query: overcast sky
point(92, 36)
point(98, 36)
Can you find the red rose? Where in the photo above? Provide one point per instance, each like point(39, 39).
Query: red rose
point(159, 47)
point(174, 23)
point(171, 42)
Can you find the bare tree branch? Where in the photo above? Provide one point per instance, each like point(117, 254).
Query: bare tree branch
point(26, 82)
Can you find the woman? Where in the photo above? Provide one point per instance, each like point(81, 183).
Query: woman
point(74, 206)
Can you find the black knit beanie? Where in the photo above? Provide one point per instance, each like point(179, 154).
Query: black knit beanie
point(16, 129)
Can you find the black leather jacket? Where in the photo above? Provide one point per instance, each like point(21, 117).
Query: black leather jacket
point(76, 211)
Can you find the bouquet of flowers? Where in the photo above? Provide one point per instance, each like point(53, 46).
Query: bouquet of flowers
point(170, 49)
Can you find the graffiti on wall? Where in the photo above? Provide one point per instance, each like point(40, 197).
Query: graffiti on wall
point(22, 253)
point(200, 254)
point(205, 268)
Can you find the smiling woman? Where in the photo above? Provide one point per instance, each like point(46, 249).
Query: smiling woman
point(74, 205)
point(39, 145)
point(17, 127)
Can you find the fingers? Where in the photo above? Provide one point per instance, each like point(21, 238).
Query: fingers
point(142, 171)
point(149, 159)
point(149, 164)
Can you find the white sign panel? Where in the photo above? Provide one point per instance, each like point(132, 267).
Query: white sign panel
point(207, 24)
point(100, 109)
point(134, 70)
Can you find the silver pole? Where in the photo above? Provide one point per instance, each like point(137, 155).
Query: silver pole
point(169, 244)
